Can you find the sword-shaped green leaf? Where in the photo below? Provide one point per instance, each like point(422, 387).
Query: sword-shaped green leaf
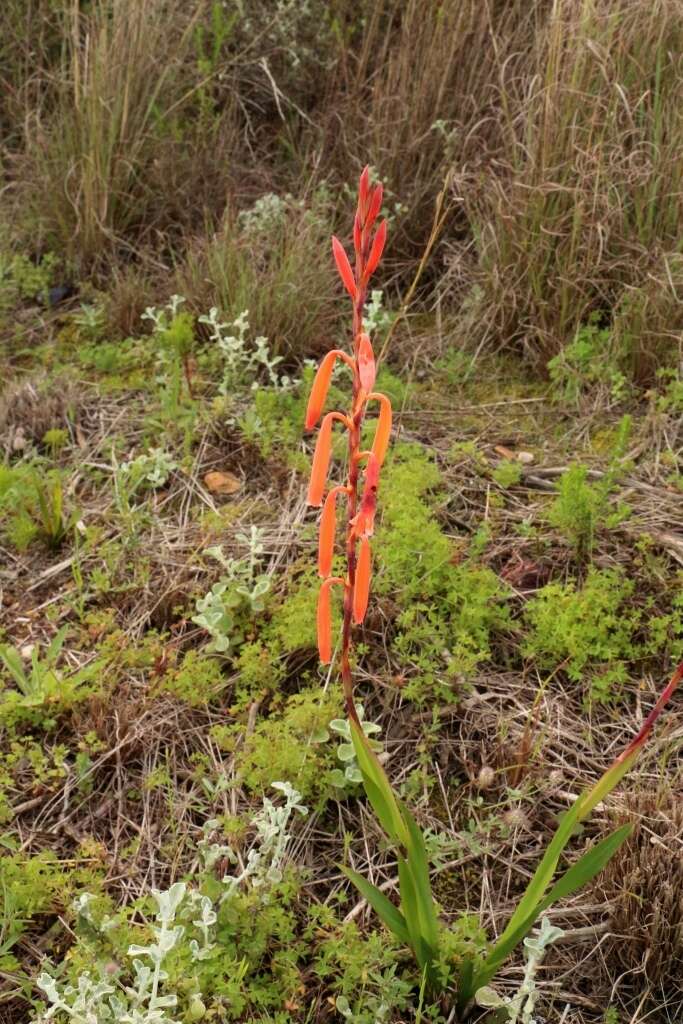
point(385, 909)
point(378, 789)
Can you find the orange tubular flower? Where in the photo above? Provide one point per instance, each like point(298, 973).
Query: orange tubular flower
point(321, 385)
point(361, 590)
point(376, 251)
point(328, 524)
point(383, 433)
point(344, 267)
point(324, 618)
point(363, 522)
point(375, 205)
point(321, 462)
point(321, 458)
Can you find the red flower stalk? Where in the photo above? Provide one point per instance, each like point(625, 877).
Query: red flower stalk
point(360, 514)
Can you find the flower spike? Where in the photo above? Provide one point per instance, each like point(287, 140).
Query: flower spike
point(368, 246)
point(344, 267)
point(361, 590)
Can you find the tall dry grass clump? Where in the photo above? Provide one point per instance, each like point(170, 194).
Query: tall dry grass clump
point(30, 43)
point(416, 90)
point(579, 211)
point(107, 163)
point(134, 127)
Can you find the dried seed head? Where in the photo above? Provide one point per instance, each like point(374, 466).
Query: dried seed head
point(485, 778)
point(515, 818)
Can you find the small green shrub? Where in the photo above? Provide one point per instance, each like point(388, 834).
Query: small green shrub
point(288, 744)
point(450, 612)
point(588, 360)
point(508, 473)
point(29, 887)
point(197, 680)
point(42, 691)
point(21, 279)
point(581, 508)
point(590, 630)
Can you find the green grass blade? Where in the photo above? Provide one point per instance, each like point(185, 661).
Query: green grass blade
point(544, 872)
point(54, 649)
point(383, 907)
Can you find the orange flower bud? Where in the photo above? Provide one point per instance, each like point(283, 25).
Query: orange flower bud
point(366, 363)
point(356, 234)
point(324, 619)
point(383, 432)
point(343, 266)
point(361, 589)
point(364, 521)
point(377, 249)
point(364, 185)
point(375, 205)
point(321, 461)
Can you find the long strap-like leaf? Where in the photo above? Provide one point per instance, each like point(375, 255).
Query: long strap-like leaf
point(578, 875)
point(391, 915)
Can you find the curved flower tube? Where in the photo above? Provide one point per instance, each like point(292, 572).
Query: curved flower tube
point(328, 524)
point(321, 457)
point(361, 589)
point(383, 433)
point(321, 385)
point(324, 618)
